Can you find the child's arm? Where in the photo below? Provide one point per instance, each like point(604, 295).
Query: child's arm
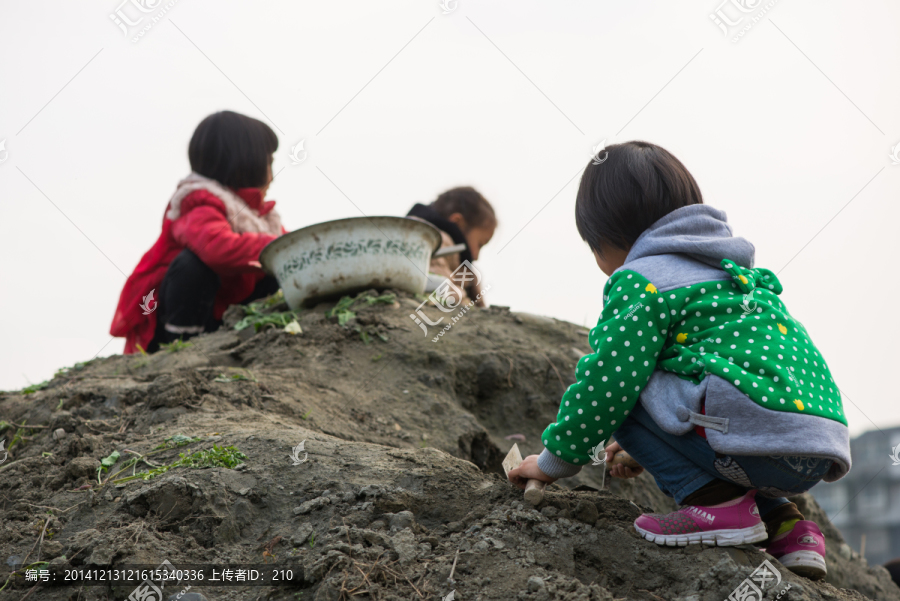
point(627, 342)
point(206, 231)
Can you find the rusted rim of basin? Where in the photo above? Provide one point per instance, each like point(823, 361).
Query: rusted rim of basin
point(377, 221)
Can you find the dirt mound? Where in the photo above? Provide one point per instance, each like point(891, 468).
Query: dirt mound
point(398, 485)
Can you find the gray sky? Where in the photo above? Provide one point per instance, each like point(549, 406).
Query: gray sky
point(789, 130)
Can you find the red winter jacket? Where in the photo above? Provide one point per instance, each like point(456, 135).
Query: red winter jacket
point(203, 227)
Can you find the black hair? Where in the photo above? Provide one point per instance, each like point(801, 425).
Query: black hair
point(637, 184)
point(469, 203)
point(232, 149)
point(893, 567)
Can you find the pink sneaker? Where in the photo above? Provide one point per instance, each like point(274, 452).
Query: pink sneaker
point(736, 523)
point(801, 550)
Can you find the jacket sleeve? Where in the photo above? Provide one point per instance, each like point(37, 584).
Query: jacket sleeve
point(206, 231)
point(626, 343)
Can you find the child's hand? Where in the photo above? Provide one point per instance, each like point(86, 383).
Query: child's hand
point(528, 470)
point(620, 471)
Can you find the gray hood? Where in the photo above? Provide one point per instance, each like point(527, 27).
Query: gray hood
point(699, 231)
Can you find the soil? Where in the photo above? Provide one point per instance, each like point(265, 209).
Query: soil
point(400, 489)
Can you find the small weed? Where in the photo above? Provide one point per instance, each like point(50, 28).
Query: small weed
point(217, 456)
point(312, 540)
point(342, 310)
point(61, 401)
point(65, 371)
point(106, 463)
point(46, 454)
point(226, 378)
point(19, 436)
point(377, 357)
point(141, 350)
point(306, 415)
point(35, 387)
point(175, 346)
point(255, 315)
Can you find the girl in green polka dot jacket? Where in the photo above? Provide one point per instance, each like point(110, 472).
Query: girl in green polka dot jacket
point(698, 368)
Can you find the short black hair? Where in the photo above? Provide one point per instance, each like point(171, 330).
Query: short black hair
point(232, 149)
point(637, 184)
point(469, 203)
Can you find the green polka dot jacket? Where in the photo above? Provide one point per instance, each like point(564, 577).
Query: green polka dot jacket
point(727, 341)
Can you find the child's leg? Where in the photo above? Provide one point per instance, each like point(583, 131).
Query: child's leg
point(714, 478)
point(186, 298)
point(677, 467)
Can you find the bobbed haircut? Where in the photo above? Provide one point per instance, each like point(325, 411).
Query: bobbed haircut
point(636, 185)
point(232, 149)
point(469, 203)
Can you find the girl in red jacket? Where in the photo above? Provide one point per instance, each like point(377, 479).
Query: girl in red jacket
point(215, 226)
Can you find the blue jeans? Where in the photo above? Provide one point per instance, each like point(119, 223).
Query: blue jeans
point(684, 464)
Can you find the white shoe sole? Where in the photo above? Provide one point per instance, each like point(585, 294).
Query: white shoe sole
point(722, 538)
point(808, 564)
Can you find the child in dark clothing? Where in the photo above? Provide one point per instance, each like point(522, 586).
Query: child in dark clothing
point(215, 226)
point(464, 216)
point(698, 368)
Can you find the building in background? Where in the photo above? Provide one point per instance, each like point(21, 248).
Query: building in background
point(866, 502)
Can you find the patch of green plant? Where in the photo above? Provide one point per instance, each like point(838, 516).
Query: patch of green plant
point(36, 565)
point(342, 309)
point(35, 387)
point(106, 463)
point(228, 457)
point(377, 357)
point(256, 315)
point(68, 370)
point(312, 540)
point(226, 378)
point(141, 349)
point(175, 346)
point(19, 436)
point(306, 415)
point(260, 321)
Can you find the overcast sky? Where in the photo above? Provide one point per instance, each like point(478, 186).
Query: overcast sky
point(789, 130)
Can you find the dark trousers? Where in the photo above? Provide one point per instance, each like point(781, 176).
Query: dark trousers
point(186, 297)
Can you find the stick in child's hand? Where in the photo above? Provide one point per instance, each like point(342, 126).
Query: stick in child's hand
point(534, 489)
